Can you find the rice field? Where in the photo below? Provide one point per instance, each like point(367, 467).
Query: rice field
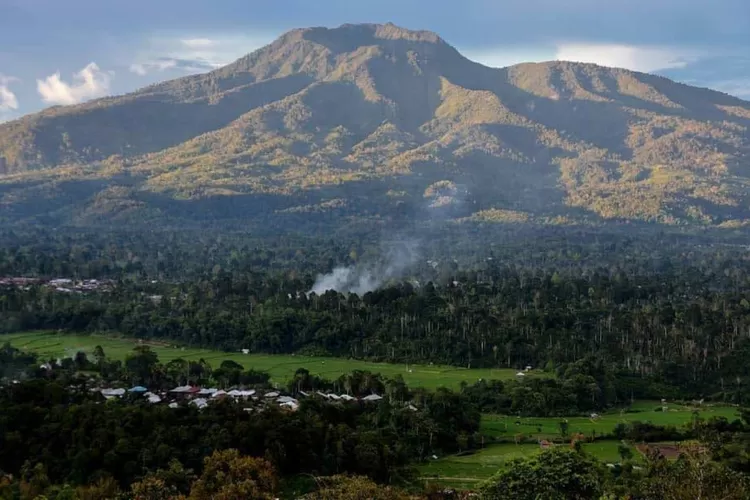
point(501, 426)
point(460, 471)
point(467, 471)
point(280, 367)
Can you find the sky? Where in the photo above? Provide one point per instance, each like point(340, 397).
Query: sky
point(59, 52)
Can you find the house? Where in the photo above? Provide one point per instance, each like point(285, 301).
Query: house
point(286, 399)
point(245, 351)
point(185, 391)
point(334, 397)
point(219, 394)
point(347, 397)
point(138, 389)
point(199, 402)
point(546, 445)
point(412, 408)
point(290, 405)
point(372, 397)
point(520, 374)
point(208, 391)
point(173, 405)
point(61, 281)
point(153, 398)
point(236, 393)
point(273, 394)
point(113, 393)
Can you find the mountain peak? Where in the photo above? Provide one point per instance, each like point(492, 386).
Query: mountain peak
point(350, 37)
point(378, 115)
point(367, 34)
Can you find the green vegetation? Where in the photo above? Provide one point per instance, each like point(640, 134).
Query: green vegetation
point(175, 445)
point(558, 474)
point(603, 319)
point(285, 138)
point(506, 427)
point(466, 471)
point(280, 367)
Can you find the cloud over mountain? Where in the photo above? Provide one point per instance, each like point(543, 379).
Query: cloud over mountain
point(89, 83)
point(632, 57)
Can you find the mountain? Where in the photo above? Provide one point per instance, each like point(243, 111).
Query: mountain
point(380, 122)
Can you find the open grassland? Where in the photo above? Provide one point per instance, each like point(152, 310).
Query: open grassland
point(466, 471)
point(501, 426)
point(280, 367)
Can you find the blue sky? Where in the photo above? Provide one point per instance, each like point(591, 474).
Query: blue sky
point(69, 51)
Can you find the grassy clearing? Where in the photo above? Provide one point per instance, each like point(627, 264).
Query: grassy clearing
point(501, 426)
point(281, 367)
point(467, 471)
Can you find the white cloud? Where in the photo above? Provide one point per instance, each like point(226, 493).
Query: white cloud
point(738, 87)
point(8, 100)
point(632, 57)
point(87, 84)
point(198, 43)
point(194, 54)
point(507, 56)
point(139, 69)
point(151, 66)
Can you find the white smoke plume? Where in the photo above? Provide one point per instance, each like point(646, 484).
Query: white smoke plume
point(364, 278)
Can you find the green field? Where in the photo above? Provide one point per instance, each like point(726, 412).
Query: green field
point(466, 471)
point(500, 426)
point(281, 367)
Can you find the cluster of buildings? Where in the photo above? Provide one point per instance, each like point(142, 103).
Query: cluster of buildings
point(202, 397)
point(63, 285)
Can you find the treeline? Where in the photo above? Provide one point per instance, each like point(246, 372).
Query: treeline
point(574, 389)
point(677, 328)
point(191, 254)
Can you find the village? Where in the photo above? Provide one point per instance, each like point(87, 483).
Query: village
point(202, 397)
point(62, 285)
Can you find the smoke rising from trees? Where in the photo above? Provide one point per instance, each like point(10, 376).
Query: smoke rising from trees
point(367, 277)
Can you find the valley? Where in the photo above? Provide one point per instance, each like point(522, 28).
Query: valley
point(50, 345)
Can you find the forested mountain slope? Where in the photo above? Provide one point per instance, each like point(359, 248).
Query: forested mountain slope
point(376, 121)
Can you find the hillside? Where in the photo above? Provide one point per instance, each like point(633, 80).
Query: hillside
point(379, 122)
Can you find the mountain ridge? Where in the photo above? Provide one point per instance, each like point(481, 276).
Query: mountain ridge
point(380, 116)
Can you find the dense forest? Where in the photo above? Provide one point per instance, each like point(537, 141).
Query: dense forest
point(605, 317)
point(678, 317)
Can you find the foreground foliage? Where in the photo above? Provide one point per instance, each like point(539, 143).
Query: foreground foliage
point(558, 474)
